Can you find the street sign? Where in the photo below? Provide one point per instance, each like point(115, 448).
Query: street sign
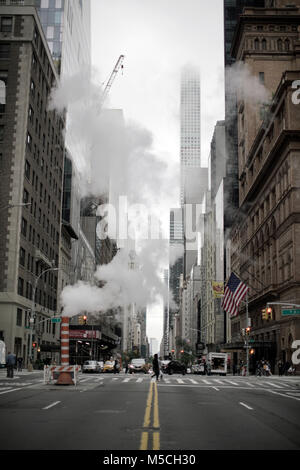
point(292, 311)
point(55, 320)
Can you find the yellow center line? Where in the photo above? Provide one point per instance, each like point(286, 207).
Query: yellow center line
point(148, 407)
point(147, 419)
point(155, 410)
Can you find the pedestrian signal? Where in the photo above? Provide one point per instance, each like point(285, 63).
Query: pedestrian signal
point(252, 351)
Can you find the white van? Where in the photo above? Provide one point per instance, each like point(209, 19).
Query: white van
point(2, 354)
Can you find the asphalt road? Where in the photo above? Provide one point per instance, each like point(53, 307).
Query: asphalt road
point(133, 412)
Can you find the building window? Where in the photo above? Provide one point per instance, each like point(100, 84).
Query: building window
point(287, 45)
point(261, 76)
point(279, 45)
point(4, 51)
point(256, 44)
point(20, 286)
point(1, 133)
point(264, 45)
point(24, 227)
point(22, 257)
point(6, 24)
point(27, 169)
point(19, 317)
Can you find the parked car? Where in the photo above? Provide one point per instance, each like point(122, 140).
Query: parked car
point(90, 366)
point(108, 366)
point(198, 369)
point(138, 365)
point(175, 366)
point(101, 365)
point(164, 364)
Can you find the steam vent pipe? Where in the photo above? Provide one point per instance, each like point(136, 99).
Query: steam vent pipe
point(65, 377)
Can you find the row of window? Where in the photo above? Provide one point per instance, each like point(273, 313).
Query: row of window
point(281, 44)
point(37, 241)
point(25, 290)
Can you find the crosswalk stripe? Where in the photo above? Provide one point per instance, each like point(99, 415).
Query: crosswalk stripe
point(180, 381)
point(274, 385)
point(206, 381)
point(219, 381)
point(139, 380)
point(193, 381)
point(230, 381)
point(126, 380)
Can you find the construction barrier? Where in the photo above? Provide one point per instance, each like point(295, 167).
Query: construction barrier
point(52, 373)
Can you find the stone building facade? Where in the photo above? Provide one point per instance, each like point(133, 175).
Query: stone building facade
point(265, 238)
point(31, 172)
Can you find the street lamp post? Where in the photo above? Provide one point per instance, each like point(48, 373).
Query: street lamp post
point(29, 366)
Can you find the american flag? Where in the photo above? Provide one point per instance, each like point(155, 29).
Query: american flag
point(235, 291)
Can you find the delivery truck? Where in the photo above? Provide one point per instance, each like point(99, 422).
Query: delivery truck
point(217, 363)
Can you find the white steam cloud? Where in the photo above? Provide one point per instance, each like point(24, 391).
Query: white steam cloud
point(114, 156)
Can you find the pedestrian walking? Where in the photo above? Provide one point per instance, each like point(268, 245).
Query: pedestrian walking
point(208, 368)
point(155, 366)
point(126, 367)
point(20, 364)
point(10, 364)
point(280, 367)
point(116, 366)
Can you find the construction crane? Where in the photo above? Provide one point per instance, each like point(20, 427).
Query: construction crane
point(118, 65)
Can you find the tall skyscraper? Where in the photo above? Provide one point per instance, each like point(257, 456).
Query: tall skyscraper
point(67, 27)
point(190, 122)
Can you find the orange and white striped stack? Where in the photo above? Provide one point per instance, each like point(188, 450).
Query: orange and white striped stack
point(64, 378)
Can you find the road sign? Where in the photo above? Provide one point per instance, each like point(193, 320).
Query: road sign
point(292, 311)
point(55, 320)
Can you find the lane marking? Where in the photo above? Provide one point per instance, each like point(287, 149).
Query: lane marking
point(13, 390)
point(52, 404)
point(216, 389)
point(148, 407)
point(246, 406)
point(144, 441)
point(283, 394)
point(156, 441)
point(155, 410)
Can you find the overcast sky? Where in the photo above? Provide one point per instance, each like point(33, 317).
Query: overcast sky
point(157, 38)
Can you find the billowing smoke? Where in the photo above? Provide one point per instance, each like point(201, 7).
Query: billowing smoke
point(116, 157)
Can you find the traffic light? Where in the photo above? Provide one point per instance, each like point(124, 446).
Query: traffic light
point(248, 329)
point(34, 344)
point(264, 314)
point(84, 319)
point(269, 313)
point(252, 351)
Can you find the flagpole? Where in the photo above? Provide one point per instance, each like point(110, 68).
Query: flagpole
point(247, 344)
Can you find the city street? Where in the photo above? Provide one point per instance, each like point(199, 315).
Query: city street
point(132, 412)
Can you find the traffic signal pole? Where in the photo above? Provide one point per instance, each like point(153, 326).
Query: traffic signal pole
point(247, 336)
